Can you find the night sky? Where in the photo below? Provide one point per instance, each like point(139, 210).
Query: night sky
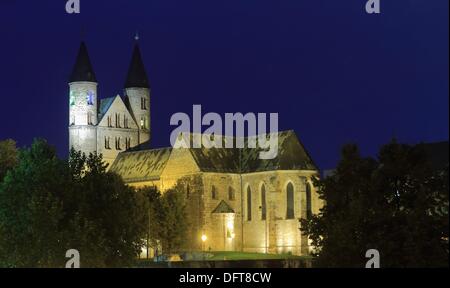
point(333, 73)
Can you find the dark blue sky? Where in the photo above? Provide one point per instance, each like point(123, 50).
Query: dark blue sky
point(333, 73)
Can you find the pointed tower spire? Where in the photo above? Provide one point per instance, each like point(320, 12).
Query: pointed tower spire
point(137, 77)
point(82, 71)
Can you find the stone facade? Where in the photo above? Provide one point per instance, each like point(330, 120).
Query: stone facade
point(111, 125)
point(217, 189)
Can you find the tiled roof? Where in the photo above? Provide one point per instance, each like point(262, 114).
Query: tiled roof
point(147, 164)
point(142, 165)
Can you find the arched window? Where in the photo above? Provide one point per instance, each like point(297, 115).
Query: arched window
point(118, 121)
point(263, 203)
point(72, 98)
point(249, 204)
point(308, 201)
point(213, 192)
point(118, 143)
point(231, 194)
point(143, 122)
point(90, 98)
point(89, 118)
point(188, 191)
point(107, 142)
point(290, 201)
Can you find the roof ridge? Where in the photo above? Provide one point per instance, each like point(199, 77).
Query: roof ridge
point(146, 150)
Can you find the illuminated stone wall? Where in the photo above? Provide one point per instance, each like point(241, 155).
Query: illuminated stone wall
point(134, 98)
point(120, 131)
point(88, 135)
point(83, 138)
point(180, 165)
point(220, 216)
point(223, 230)
point(276, 234)
point(82, 134)
point(109, 155)
point(232, 231)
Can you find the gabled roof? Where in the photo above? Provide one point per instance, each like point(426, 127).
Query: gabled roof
point(105, 104)
point(82, 70)
point(144, 165)
point(223, 208)
point(291, 156)
point(217, 159)
point(137, 76)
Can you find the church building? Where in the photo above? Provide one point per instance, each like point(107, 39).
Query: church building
point(234, 200)
point(111, 125)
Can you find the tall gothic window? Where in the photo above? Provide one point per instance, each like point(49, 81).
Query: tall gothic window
point(72, 98)
point(89, 118)
point(90, 98)
point(143, 104)
point(290, 201)
point(263, 203)
point(127, 143)
point(249, 204)
point(109, 121)
point(107, 144)
point(117, 120)
point(118, 144)
point(213, 192)
point(142, 122)
point(308, 201)
point(125, 121)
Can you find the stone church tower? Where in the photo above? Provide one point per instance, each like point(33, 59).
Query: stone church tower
point(137, 91)
point(111, 125)
point(83, 104)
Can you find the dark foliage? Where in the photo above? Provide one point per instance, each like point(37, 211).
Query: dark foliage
point(397, 204)
point(48, 206)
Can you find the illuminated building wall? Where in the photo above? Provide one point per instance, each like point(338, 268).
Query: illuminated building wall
point(217, 206)
point(112, 125)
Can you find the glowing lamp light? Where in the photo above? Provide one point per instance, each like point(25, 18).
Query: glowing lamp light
point(204, 238)
point(233, 235)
